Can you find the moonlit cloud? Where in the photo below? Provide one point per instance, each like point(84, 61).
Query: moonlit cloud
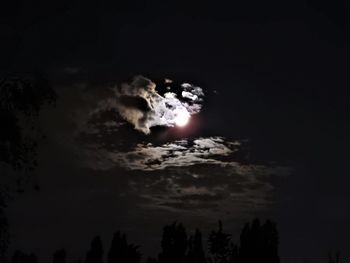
point(204, 175)
point(200, 176)
point(180, 153)
point(140, 104)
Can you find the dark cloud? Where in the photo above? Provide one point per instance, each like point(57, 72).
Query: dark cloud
point(202, 187)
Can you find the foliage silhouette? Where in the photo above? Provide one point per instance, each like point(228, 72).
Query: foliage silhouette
point(20, 257)
point(4, 232)
point(195, 252)
point(333, 260)
point(233, 256)
point(219, 245)
point(259, 243)
point(95, 253)
point(20, 101)
point(151, 260)
point(59, 256)
point(121, 251)
point(174, 244)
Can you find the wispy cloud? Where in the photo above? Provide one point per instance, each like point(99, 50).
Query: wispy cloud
point(194, 175)
point(180, 153)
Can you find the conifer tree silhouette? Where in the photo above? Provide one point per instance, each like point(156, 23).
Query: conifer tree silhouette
point(20, 257)
point(32, 258)
point(259, 243)
point(233, 255)
point(95, 253)
point(219, 245)
point(271, 242)
point(151, 260)
point(117, 250)
point(59, 256)
point(195, 252)
point(244, 248)
point(256, 242)
point(333, 260)
point(121, 251)
point(174, 244)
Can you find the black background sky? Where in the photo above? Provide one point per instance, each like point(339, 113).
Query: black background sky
point(280, 75)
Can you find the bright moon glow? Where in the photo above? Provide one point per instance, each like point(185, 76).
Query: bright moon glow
point(182, 118)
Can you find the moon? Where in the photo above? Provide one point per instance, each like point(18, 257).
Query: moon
point(182, 118)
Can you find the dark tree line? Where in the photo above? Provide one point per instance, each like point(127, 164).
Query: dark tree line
point(258, 243)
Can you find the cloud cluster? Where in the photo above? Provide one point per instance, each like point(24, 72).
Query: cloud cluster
point(203, 176)
point(208, 176)
point(139, 103)
point(198, 176)
point(179, 153)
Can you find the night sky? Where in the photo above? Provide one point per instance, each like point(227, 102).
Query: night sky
point(269, 139)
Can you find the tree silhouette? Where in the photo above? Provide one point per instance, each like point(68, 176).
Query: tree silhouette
point(121, 251)
point(4, 233)
point(259, 243)
point(333, 260)
point(219, 245)
point(271, 242)
point(20, 257)
point(195, 252)
point(20, 100)
point(244, 248)
point(233, 256)
point(95, 253)
point(59, 256)
point(151, 260)
point(174, 244)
